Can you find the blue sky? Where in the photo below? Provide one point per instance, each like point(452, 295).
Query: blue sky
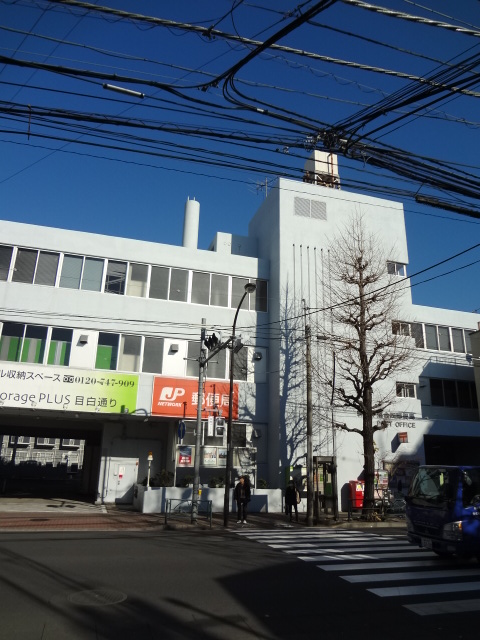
point(75, 155)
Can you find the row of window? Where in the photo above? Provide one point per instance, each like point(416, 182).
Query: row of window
point(115, 352)
point(26, 441)
point(52, 269)
point(444, 393)
point(436, 337)
point(453, 393)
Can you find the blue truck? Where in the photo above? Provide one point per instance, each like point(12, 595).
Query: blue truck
point(443, 510)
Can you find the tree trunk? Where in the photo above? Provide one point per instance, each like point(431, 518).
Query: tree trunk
point(369, 456)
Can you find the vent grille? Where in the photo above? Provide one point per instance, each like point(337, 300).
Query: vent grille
point(310, 209)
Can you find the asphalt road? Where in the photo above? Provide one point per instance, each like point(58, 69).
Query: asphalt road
point(243, 584)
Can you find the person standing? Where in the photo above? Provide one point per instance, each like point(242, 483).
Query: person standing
point(292, 498)
point(242, 496)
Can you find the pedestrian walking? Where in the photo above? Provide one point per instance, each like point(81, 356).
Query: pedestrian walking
point(242, 496)
point(292, 499)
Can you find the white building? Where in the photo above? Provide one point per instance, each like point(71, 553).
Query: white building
point(101, 335)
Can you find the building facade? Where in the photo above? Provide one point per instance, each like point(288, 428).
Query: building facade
point(100, 339)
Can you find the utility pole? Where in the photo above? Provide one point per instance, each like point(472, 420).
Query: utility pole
point(198, 434)
point(308, 357)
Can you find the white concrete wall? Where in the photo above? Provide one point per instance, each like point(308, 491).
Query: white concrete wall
point(154, 500)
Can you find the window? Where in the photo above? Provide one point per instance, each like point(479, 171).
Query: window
point(47, 265)
point(200, 288)
point(217, 366)
point(115, 278)
point(219, 295)
point(431, 336)
point(11, 341)
point(238, 289)
point(137, 280)
point(34, 342)
point(444, 338)
point(468, 344)
point(25, 262)
point(20, 343)
point(396, 269)
point(38, 267)
point(178, 285)
point(92, 274)
point(450, 393)
point(405, 390)
point(457, 340)
point(192, 358)
point(5, 259)
point(436, 392)
point(45, 442)
point(258, 299)
point(70, 442)
point(129, 358)
point(401, 328)
point(107, 351)
point(417, 334)
point(77, 270)
point(240, 364)
point(153, 355)
point(60, 347)
point(159, 283)
point(71, 272)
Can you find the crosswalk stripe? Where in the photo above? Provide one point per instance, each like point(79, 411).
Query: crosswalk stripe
point(422, 589)
point(365, 556)
point(411, 575)
point(376, 565)
point(373, 544)
point(341, 550)
point(435, 608)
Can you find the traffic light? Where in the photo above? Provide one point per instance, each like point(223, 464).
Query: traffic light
point(211, 342)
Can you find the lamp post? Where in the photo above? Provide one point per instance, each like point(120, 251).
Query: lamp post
point(249, 288)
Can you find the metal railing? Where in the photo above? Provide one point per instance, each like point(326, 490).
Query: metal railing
point(182, 509)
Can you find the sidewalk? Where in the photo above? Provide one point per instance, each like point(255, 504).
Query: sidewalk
point(71, 516)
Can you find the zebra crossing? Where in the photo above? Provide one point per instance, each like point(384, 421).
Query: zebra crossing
point(357, 557)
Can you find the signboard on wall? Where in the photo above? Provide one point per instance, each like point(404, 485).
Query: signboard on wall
point(63, 389)
point(178, 397)
point(209, 457)
point(185, 456)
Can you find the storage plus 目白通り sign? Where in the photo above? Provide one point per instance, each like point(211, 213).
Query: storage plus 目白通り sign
point(27, 386)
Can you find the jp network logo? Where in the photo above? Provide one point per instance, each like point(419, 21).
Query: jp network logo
point(171, 394)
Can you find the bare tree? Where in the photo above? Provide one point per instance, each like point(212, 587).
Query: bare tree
point(365, 301)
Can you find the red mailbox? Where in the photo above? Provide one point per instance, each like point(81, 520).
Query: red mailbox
point(356, 493)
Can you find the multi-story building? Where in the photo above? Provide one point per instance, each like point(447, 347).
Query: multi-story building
point(100, 339)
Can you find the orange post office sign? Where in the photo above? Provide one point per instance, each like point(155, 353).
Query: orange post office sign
point(178, 398)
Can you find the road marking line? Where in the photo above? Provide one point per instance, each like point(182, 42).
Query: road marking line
point(376, 565)
point(345, 555)
point(413, 575)
point(435, 608)
point(423, 589)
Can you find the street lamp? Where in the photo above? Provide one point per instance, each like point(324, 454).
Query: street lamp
point(249, 288)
